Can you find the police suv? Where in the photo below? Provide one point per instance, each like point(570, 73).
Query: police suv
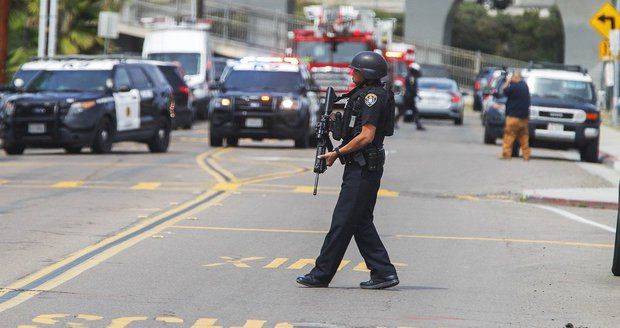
point(563, 112)
point(264, 98)
point(76, 102)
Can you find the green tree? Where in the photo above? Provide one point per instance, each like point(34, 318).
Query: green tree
point(525, 37)
point(77, 28)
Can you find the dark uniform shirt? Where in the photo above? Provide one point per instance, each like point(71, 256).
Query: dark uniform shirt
point(368, 105)
point(517, 100)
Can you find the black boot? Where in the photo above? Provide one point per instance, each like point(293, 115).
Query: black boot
point(310, 281)
point(380, 283)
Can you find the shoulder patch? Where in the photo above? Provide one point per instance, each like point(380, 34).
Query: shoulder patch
point(370, 99)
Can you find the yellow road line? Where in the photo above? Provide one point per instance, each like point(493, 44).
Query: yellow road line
point(68, 184)
point(146, 186)
point(503, 240)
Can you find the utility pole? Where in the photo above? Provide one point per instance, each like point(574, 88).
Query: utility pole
point(53, 29)
point(42, 28)
point(4, 38)
point(200, 9)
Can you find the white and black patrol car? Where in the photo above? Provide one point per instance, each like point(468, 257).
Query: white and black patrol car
point(264, 98)
point(87, 102)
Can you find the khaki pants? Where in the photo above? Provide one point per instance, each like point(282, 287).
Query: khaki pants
point(516, 129)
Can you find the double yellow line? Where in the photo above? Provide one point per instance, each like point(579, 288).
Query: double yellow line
point(60, 272)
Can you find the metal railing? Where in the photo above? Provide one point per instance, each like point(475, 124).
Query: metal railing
point(266, 29)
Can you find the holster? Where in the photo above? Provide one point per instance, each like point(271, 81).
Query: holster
point(375, 158)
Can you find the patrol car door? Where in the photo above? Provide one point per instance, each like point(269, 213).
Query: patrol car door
point(126, 101)
point(147, 96)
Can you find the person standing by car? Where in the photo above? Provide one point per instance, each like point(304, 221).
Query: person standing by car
point(411, 93)
point(368, 110)
point(517, 115)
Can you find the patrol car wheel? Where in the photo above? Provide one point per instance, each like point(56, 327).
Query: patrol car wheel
point(73, 149)
point(215, 141)
point(489, 139)
point(589, 153)
point(103, 138)
point(14, 149)
point(232, 142)
point(161, 139)
point(458, 121)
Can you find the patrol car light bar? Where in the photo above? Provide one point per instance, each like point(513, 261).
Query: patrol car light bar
point(394, 54)
point(287, 60)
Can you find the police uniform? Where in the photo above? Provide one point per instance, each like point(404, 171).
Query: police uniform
point(353, 215)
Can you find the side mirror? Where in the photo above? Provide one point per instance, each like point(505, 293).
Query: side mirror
point(18, 83)
point(215, 85)
point(123, 88)
point(303, 89)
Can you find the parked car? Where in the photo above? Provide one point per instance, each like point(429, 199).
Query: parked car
point(440, 98)
point(480, 83)
point(563, 112)
point(183, 110)
point(77, 102)
point(265, 98)
point(191, 48)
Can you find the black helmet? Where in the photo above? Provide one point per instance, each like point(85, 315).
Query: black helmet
point(372, 65)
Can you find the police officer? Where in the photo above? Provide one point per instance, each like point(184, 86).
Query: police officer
point(411, 93)
point(366, 122)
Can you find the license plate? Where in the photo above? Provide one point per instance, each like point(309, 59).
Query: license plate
point(254, 105)
point(254, 122)
point(36, 128)
point(555, 127)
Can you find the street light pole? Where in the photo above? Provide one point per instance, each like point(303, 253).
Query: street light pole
point(4, 38)
point(53, 28)
point(42, 28)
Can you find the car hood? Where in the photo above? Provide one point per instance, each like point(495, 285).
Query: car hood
point(559, 103)
point(62, 98)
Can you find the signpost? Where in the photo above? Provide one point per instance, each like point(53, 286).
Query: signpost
point(606, 21)
point(107, 28)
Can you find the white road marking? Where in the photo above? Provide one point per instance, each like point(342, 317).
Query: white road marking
point(576, 218)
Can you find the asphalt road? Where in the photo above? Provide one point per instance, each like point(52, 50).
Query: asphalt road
point(202, 237)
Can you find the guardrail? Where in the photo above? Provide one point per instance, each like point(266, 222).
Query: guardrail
point(265, 29)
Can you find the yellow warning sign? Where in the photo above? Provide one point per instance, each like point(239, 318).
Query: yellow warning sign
point(606, 19)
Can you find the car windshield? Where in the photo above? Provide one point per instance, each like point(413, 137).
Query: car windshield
point(567, 90)
point(321, 52)
point(263, 81)
point(435, 85)
point(70, 81)
point(189, 61)
point(26, 75)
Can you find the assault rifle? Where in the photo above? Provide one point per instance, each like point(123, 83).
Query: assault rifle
point(323, 142)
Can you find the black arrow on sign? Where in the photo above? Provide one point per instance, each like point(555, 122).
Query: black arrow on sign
point(602, 18)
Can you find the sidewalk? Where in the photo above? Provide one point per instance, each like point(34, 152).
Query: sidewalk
point(607, 198)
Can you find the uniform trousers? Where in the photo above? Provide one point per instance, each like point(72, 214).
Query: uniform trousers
point(353, 217)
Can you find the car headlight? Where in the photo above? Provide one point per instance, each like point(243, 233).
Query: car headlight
point(9, 108)
point(580, 116)
point(79, 107)
point(199, 93)
point(223, 102)
point(533, 113)
point(289, 104)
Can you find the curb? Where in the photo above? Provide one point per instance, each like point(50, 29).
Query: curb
point(609, 160)
point(570, 202)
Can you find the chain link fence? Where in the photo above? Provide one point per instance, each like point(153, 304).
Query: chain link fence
point(266, 29)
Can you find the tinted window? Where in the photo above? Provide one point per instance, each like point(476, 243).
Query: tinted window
point(434, 71)
point(321, 52)
point(121, 78)
point(580, 91)
point(26, 75)
point(70, 81)
point(438, 85)
point(138, 77)
point(189, 61)
point(218, 68)
point(155, 75)
point(172, 75)
point(263, 80)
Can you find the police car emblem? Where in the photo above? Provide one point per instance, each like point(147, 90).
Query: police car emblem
point(370, 99)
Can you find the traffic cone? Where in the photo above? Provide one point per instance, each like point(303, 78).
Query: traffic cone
point(615, 266)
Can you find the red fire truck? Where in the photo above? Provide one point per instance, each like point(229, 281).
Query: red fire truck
point(337, 35)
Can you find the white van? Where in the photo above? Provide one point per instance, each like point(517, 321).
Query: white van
point(191, 48)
